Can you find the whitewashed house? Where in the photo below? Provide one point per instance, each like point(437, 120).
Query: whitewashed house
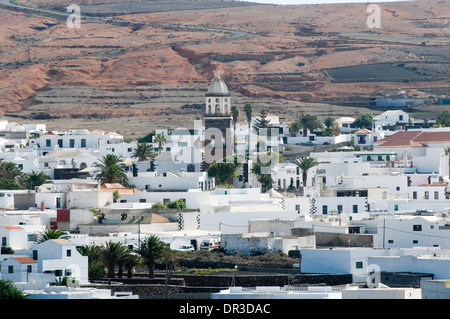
point(61, 257)
point(18, 269)
point(406, 231)
point(13, 236)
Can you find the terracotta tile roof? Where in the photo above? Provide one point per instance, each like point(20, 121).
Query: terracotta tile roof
point(97, 131)
point(363, 131)
point(400, 139)
point(50, 133)
point(25, 260)
point(430, 137)
point(11, 227)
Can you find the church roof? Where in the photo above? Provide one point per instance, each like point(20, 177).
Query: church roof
point(218, 87)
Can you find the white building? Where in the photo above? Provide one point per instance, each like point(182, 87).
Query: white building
point(61, 257)
point(18, 269)
point(407, 231)
point(172, 180)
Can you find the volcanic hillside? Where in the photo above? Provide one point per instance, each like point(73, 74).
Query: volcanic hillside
point(134, 66)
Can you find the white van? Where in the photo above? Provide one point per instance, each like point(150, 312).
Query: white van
point(210, 244)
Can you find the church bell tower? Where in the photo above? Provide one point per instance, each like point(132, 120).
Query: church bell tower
point(218, 121)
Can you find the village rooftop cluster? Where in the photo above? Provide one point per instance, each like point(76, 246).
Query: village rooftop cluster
point(346, 193)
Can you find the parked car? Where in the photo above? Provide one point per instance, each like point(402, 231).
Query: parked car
point(186, 248)
point(309, 143)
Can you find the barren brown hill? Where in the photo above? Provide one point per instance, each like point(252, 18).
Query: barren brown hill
point(137, 65)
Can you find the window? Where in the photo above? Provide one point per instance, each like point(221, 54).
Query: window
point(71, 143)
point(324, 209)
point(4, 242)
point(35, 254)
point(297, 208)
point(58, 272)
point(436, 195)
point(339, 208)
point(69, 253)
point(60, 143)
point(415, 241)
point(414, 195)
point(130, 150)
point(355, 209)
point(396, 207)
point(142, 200)
point(359, 265)
point(48, 142)
point(31, 237)
point(10, 269)
point(83, 142)
point(397, 188)
point(417, 227)
point(390, 241)
point(29, 268)
point(427, 195)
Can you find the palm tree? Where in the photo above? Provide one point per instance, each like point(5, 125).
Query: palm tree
point(93, 252)
point(33, 179)
point(143, 151)
point(295, 127)
point(130, 262)
point(305, 164)
point(235, 114)
point(9, 170)
point(111, 170)
point(248, 109)
point(329, 122)
point(161, 139)
point(151, 250)
point(51, 234)
point(309, 123)
point(112, 253)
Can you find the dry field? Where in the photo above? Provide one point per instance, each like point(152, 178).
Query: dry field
point(147, 64)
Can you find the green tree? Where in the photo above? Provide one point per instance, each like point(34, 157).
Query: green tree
point(147, 138)
point(364, 121)
point(262, 123)
point(329, 122)
point(309, 123)
point(9, 170)
point(111, 254)
point(33, 180)
point(96, 268)
point(9, 291)
point(152, 249)
point(161, 139)
point(177, 204)
point(295, 128)
point(111, 170)
point(143, 151)
point(224, 171)
point(305, 164)
point(262, 176)
point(443, 119)
point(51, 234)
point(159, 205)
point(130, 262)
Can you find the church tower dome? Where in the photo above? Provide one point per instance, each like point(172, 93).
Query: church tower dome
point(218, 98)
point(218, 87)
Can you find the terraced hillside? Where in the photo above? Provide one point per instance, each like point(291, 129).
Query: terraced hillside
point(149, 61)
